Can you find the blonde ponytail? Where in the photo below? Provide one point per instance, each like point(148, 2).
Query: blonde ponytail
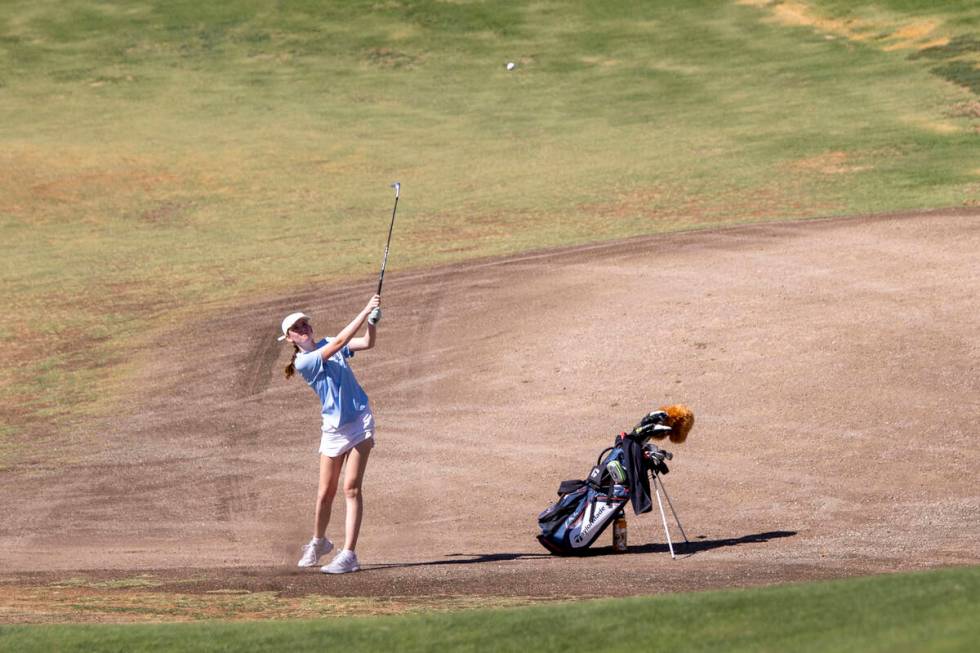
point(291, 368)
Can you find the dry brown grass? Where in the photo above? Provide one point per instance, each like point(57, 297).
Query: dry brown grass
point(899, 34)
point(143, 601)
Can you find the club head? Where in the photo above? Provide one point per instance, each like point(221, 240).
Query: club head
point(398, 187)
point(651, 450)
point(656, 417)
point(644, 432)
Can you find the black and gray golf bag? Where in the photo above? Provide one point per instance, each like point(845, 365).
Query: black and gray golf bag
point(585, 508)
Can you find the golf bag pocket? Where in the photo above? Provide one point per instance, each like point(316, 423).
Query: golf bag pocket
point(569, 486)
point(552, 516)
point(616, 471)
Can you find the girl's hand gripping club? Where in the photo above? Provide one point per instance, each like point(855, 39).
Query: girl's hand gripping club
point(375, 315)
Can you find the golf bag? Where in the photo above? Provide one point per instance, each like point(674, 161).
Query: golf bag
point(585, 508)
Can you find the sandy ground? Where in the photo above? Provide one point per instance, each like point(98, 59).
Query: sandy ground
point(832, 366)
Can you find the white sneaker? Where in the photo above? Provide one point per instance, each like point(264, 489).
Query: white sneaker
point(313, 551)
point(344, 563)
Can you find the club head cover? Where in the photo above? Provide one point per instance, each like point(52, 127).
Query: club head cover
point(680, 419)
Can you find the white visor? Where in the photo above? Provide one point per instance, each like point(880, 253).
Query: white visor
point(289, 321)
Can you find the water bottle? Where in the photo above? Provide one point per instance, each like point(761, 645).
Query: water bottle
point(619, 535)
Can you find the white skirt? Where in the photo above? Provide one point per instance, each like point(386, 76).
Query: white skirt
point(336, 441)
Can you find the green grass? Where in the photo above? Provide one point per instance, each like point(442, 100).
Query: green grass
point(934, 611)
point(159, 158)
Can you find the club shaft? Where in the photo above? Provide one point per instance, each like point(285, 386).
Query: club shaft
point(384, 262)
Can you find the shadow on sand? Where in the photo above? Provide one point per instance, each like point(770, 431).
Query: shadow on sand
point(699, 544)
point(682, 549)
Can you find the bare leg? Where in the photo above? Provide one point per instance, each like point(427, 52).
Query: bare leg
point(356, 463)
point(329, 477)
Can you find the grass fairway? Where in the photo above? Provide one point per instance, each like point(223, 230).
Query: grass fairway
point(934, 611)
point(159, 158)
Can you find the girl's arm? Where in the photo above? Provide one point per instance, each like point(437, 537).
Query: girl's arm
point(366, 341)
point(347, 333)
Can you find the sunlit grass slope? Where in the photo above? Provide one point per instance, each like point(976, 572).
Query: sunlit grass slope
point(159, 158)
point(922, 612)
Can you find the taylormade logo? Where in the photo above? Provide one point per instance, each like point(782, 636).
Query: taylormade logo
point(603, 509)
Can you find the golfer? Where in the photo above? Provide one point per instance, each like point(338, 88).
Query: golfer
point(347, 433)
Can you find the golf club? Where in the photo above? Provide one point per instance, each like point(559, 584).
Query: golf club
point(376, 313)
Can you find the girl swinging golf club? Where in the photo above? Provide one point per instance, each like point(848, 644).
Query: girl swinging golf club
point(347, 433)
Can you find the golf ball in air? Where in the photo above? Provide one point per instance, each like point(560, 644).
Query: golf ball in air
point(511, 65)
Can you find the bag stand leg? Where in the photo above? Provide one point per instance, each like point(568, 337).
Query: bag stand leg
point(658, 485)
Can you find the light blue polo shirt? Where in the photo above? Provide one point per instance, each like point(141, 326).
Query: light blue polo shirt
point(341, 395)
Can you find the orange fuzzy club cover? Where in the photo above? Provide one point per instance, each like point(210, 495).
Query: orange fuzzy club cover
point(680, 419)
